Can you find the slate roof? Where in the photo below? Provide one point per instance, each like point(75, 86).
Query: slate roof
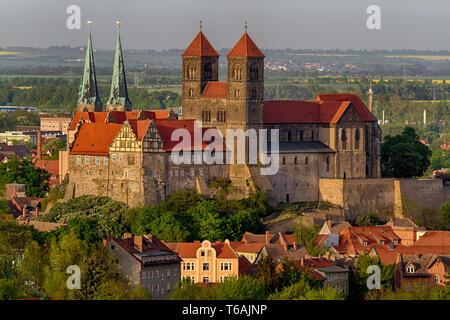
point(300, 147)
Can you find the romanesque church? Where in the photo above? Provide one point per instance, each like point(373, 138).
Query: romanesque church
point(124, 154)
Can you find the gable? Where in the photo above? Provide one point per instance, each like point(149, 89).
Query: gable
point(349, 115)
point(126, 140)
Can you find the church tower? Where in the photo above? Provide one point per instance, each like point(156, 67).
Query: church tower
point(118, 99)
point(88, 98)
point(200, 66)
point(245, 96)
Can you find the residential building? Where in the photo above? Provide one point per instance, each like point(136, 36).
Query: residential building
point(423, 269)
point(208, 262)
point(148, 262)
point(55, 124)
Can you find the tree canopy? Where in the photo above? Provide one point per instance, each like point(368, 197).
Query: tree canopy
point(404, 156)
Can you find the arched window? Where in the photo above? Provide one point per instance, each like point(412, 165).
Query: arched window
point(301, 135)
point(312, 135)
point(207, 70)
point(191, 92)
point(287, 197)
point(221, 116)
point(284, 160)
point(206, 116)
point(254, 72)
point(237, 72)
point(253, 95)
point(306, 160)
point(295, 160)
point(343, 139)
point(357, 139)
point(191, 72)
point(237, 93)
point(328, 163)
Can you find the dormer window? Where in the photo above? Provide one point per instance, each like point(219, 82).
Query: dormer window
point(410, 269)
point(365, 242)
point(382, 242)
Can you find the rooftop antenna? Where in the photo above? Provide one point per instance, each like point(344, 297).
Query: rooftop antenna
point(118, 24)
point(201, 26)
point(245, 26)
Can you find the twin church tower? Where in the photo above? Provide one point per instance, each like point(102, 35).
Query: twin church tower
point(88, 97)
point(236, 103)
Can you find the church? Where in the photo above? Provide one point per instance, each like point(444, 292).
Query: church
point(124, 154)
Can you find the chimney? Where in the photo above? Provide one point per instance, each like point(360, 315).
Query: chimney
point(127, 236)
point(37, 212)
point(295, 245)
point(39, 146)
point(267, 237)
point(302, 261)
point(285, 246)
point(320, 256)
point(138, 242)
point(24, 212)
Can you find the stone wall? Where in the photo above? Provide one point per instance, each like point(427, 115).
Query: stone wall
point(359, 196)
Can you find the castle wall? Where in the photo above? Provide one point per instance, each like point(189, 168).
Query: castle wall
point(360, 196)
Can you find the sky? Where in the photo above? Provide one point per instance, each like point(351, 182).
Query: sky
point(273, 24)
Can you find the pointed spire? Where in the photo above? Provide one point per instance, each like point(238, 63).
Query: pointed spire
point(119, 90)
point(245, 47)
point(88, 94)
point(200, 47)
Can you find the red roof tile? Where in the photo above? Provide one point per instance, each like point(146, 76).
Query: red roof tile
point(250, 247)
point(95, 138)
point(167, 127)
point(189, 249)
point(245, 47)
point(200, 47)
point(161, 114)
point(215, 90)
point(362, 110)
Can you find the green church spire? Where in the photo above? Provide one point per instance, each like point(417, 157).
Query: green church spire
point(88, 98)
point(118, 99)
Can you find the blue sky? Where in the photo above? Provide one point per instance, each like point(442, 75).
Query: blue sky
point(164, 24)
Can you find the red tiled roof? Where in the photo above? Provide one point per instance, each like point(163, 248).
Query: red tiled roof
point(250, 247)
point(99, 116)
point(139, 127)
point(189, 249)
point(161, 114)
point(166, 127)
point(215, 90)
point(362, 110)
point(94, 138)
point(245, 267)
point(434, 238)
point(289, 111)
point(245, 47)
point(200, 47)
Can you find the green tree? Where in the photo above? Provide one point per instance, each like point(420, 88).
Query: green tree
point(307, 236)
point(445, 214)
point(267, 274)
point(237, 224)
point(404, 156)
point(24, 171)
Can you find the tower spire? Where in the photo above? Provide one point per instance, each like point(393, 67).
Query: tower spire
point(88, 98)
point(118, 99)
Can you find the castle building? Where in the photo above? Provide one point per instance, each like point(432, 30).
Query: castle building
point(126, 154)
